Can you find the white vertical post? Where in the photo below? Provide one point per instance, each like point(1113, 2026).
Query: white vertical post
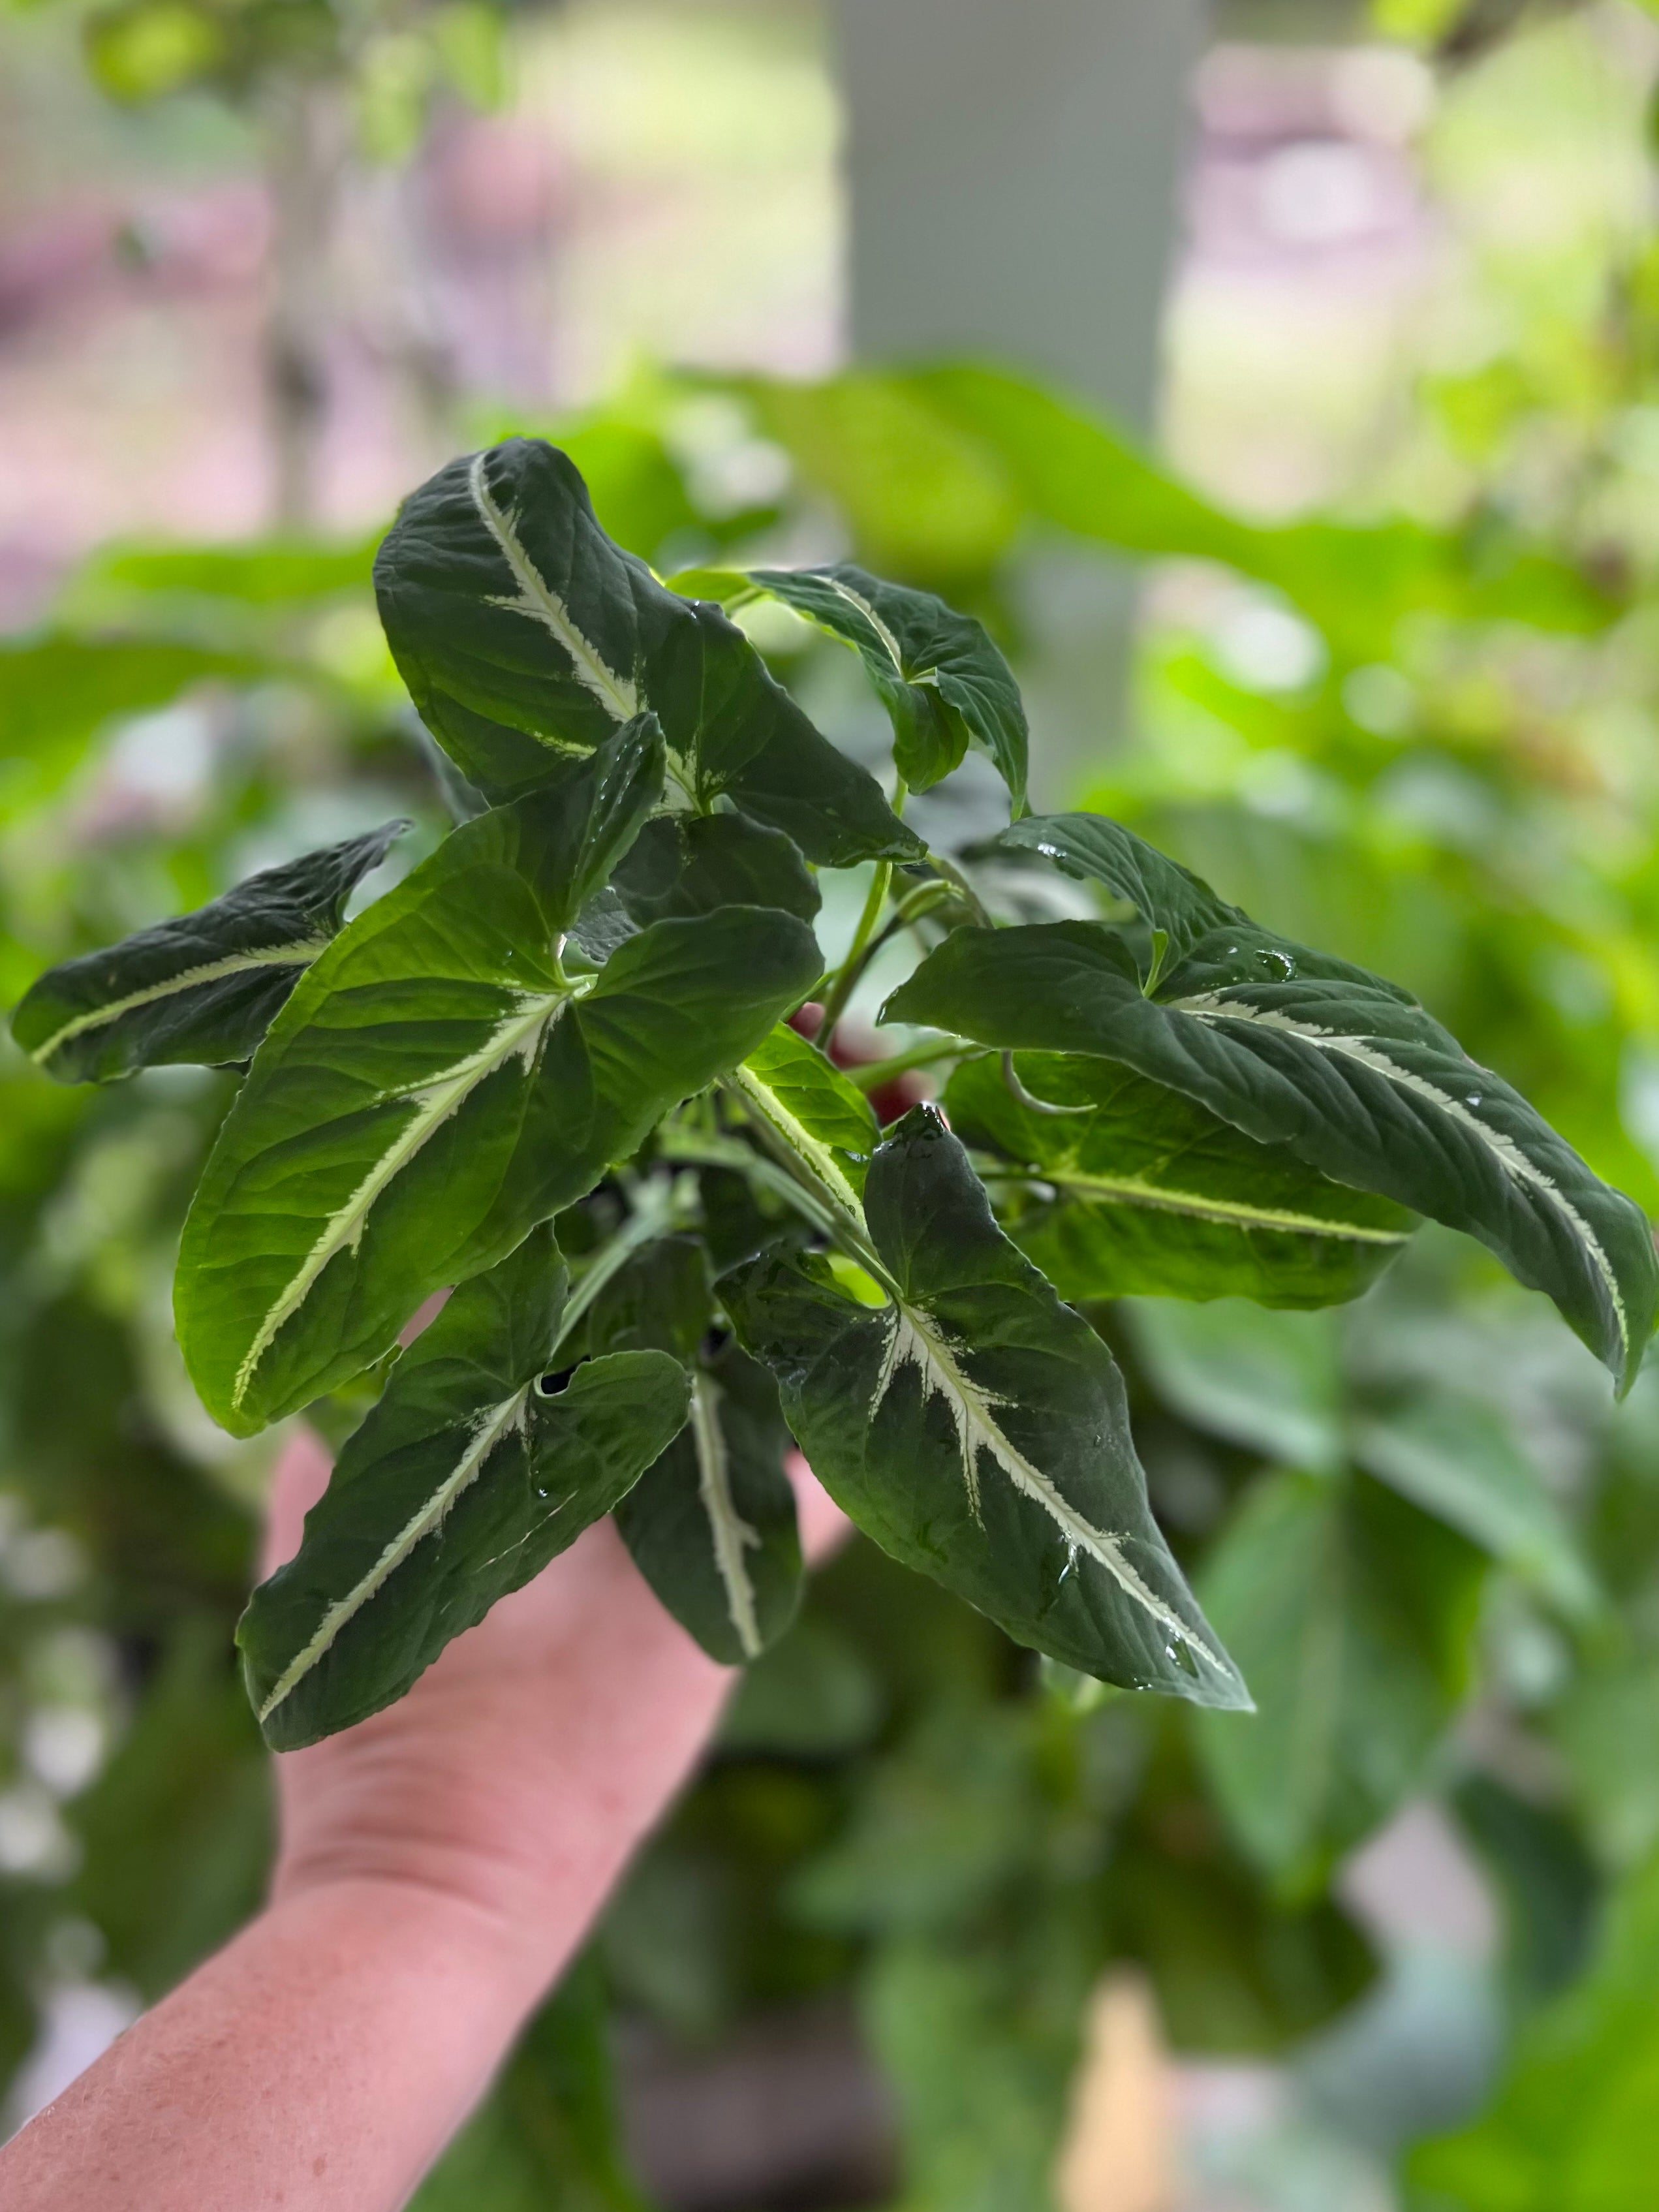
point(1013, 168)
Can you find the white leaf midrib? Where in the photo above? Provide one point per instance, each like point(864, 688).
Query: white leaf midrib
point(517, 1036)
point(729, 1532)
point(915, 1338)
point(617, 694)
point(295, 954)
point(488, 1429)
point(1210, 1006)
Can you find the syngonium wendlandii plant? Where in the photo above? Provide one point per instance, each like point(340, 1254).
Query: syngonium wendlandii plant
point(555, 1070)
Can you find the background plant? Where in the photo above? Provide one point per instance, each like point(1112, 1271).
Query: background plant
point(1486, 843)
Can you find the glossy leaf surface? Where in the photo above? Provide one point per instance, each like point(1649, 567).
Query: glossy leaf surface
point(200, 989)
point(526, 638)
point(944, 683)
point(1346, 1071)
point(1152, 1194)
point(439, 1084)
point(976, 1428)
point(462, 1483)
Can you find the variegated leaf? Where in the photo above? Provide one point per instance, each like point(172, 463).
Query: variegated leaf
point(977, 1428)
point(944, 683)
point(443, 1080)
point(1347, 1072)
point(200, 989)
point(460, 1485)
point(1134, 1189)
point(526, 637)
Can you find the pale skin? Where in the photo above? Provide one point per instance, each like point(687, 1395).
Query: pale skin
point(439, 1865)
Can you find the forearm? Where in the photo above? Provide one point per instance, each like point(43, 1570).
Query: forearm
point(318, 2063)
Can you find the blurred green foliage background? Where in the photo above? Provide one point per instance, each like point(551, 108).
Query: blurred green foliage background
point(1413, 720)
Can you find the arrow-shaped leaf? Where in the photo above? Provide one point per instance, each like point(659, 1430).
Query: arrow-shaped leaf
point(1346, 1071)
point(1135, 1189)
point(460, 1485)
point(977, 1428)
point(200, 989)
point(441, 1081)
point(1173, 903)
point(944, 683)
point(526, 637)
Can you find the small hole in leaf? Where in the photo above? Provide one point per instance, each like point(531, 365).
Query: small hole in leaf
point(551, 1386)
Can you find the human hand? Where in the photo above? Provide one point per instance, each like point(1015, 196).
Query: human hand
point(529, 1761)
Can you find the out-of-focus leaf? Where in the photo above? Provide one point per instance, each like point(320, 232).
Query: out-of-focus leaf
point(1570, 2128)
point(1140, 1190)
point(1268, 1381)
point(1607, 1726)
point(60, 690)
point(176, 1832)
point(1353, 1613)
point(1458, 1459)
point(1546, 1879)
point(547, 2138)
point(202, 989)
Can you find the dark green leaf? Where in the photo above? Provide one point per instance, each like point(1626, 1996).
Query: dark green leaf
point(1353, 1613)
point(1147, 1192)
point(203, 988)
point(526, 637)
point(712, 1525)
point(1169, 898)
point(690, 864)
point(977, 1429)
point(943, 681)
point(461, 1484)
point(1346, 1070)
point(439, 1083)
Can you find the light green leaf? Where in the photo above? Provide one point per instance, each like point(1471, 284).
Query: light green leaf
point(439, 1083)
point(1342, 1069)
point(811, 1116)
point(460, 1485)
point(1269, 1382)
point(1144, 1191)
point(976, 1428)
point(1461, 1460)
point(1570, 2128)
point(944, 683)
point(1353, 1613)
point(203, 988)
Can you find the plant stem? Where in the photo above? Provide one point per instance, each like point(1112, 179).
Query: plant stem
point(853, 967)
point(873, 1073)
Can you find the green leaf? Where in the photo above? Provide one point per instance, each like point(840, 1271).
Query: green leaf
point(712, 1525)
point(439, 1083)
point(1570, 2128)
point(944, 683)
point(1166, 896)
point(1269, 1382)
point(818, 1122)
point(203, 988)
point(692, 864)
point(1346, 1070)
point(61, 689)
point(1151, 1194)
point(1461, 1460)
point(1353, 1613)
point(526, 637)
point(976, 1428)
point(460, 1485)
